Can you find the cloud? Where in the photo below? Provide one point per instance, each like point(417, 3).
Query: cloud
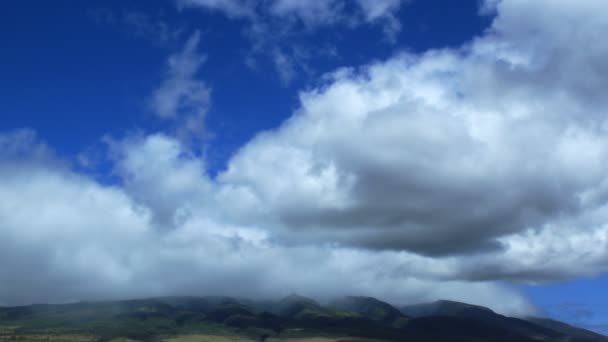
point(274, 27)
point(446, 174)
point(232, 8)
point(379, 8)
point(24, 143)
point(142, 25)
point(456, 151)
point(161, 175)
point(493, 152)
point(181, 96)
point(311, 13)
point(383, 11)
point(93, 241)
point(137, 24)
point(431, 170)
point(284, 66)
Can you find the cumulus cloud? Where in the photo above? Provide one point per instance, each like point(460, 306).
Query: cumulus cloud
point(90, 241)
point(467, 151)
point(161, 176)
point(435, 175)
point(431, 170)
point(181, 96)
point(455, 152)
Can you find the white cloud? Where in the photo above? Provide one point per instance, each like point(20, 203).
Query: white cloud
point(90, 241)
point(311, 13)
point(142, 25)
point(274, 26)
point(475, 150)
point(284, 66)
point(375, 9)
point(162, 176)
point(182, 96)
point(384, 11)
point(232, 8)
point(137, 24)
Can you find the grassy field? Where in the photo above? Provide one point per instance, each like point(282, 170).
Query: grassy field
point(50, 337)
point(323, 339)
point(206, 338)
point(175, 320)
point(212, 338)
point(6, 335)
point(311, 339)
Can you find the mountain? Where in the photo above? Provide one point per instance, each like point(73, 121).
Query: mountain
point(373, 309)
point(540, 330)
point(229, 319)
point(295, 306)
point(446, 308)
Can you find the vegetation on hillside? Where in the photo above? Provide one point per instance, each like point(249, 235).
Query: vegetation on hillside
point(294, 318)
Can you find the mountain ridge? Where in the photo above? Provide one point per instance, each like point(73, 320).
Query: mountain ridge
point(356, 316)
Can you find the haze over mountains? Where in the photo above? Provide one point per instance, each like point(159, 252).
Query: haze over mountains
point(213, 318)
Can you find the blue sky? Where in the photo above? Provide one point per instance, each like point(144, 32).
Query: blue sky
point(417, 149)
point(61, 55)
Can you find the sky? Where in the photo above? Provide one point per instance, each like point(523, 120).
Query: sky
point(404, 149)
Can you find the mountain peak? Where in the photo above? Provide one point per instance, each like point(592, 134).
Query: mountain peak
point(371, 308)
point(446, 308)
point(459, 305)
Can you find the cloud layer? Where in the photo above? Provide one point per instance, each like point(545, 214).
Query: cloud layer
point(69, 238)
point(435, 175)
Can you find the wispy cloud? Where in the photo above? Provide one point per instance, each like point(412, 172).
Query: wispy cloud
point(312, 13)
point(272, 25)
point(232, 8)
point(138, 24)
point(182, 97)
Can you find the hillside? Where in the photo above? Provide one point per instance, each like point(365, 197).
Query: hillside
point(542, 329)
point(230, 319)
point(373, 309)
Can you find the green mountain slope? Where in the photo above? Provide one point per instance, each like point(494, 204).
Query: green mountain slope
point(444, 308)
point(373, 309)
point(168, 318)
